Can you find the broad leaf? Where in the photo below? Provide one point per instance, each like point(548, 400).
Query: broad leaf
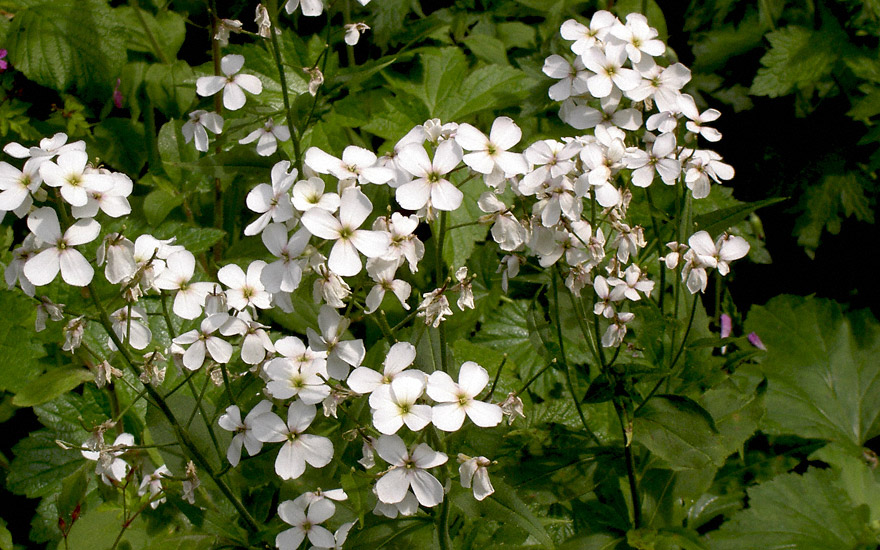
point(40, 465)
point(822, 368)
point(798, 58)
point(68, 43)
point(808, 512)
point(680, 431)
point(50, 385)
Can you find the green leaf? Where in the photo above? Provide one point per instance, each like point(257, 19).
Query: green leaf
point(860, 481)
point(19, 352)
point(680, 431)
point(170, 87)
point(808, 512)
point(505, 506)
point(798, 58)
point(99, 528)
point(444, 70)
point(712, 49)
point(488, 87)
point(487, 48)
point(73, 492)
point(822, 205)
point(40, 465)
point(460, 241)
point(119, 142)
point(737, 405)
point(822, 368)
point(174, 151)
point(715, 222)
point(158, 204)
point(5, 536)
point(167, 28)
point(50, 385)
point(64, 44)
point(195, 239)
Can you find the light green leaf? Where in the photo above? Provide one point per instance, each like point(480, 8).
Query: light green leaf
point(5, 536)
point(487, 48)
point(167, 28)
point(174, 151)
point(98, 529)
point(488, 87)
point(737, 405)
point(822, 368)
point(444, 70)
point(860, 480)
point(50, 385)
point(64, 44)
point(158, 204)
point(808, 512)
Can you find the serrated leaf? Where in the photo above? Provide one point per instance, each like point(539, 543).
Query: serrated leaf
point(737, 406)
point(64, 44)
point(119, 142)
point(40, 465)
point(798, 57)
point(680, 431)
point(808, 512)
point(505, 506)
point(822, 368)
point(487, 48)
point(50, 385)
point(822, 205)
point(5, 536)
point(99, 529)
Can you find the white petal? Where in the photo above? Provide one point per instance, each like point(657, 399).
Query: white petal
point(75, 269)
point(426, 488)
point(42, 268)
point(392, 487)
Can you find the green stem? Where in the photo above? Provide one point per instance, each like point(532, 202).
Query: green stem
point(495, 380)
point(630, 465)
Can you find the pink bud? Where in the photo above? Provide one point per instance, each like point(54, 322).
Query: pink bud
point(726, 325)
point(117, 95)
point(755, 340)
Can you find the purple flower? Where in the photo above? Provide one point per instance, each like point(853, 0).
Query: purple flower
point(3, 63)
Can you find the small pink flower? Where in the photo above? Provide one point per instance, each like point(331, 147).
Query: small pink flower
point(3, 63)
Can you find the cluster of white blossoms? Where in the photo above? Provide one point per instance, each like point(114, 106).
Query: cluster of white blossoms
point(563, 203)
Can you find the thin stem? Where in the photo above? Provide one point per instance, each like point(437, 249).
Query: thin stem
point(285, 95)
point(565, 367)
point(497, 377)
point(630, 465)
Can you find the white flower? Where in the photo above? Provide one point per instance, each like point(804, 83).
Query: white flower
point(382, 272)
point(131, 327)
point(61, 255)
point(639, 37)
point(663, 85)
point(506, 231)
point(245, 289)
point(397, 406)
point(434, 307)
point(357, 164)
point(190, 297)
point(572, 77)
point(490, 155)
point(430, 186)
point(615, 332)
point(340, 353)
point(586, 37)
point(310, 8)
point(244, 431)
point(365, 380)
point(196, 128)
point(408, 471)
point(272, 201)
point(70, 175)
point(256, 340)
point(697, 119)
point(474, 471)
point(18, 186)
point(269, 136)
point(153, 484)
point(284, 274)
point(404, 244)
point(406, 507)
point(109, 466)
point(308, 194)
point(233, 84)
point(706, 254)
point(354, 208)
point(113, 201)
point(661, 159)
point(634, 281)
point(49, 147)
point(456, 400)
point(700, 167)
point(299, 448)
point(305, 524)
point(608, 66)
point(341, 534)
point(302, 379)
point(203, 340)
point(353, 32)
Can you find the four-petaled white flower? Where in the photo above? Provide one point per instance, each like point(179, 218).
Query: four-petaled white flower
point(244, 430)
point(354, 207)
point(408, 471)
point(305, 523)
point(190, 297)
point(397, 406)
point(456, 400)
point(69, 174)
point(429, 186)
point(202, 340)
point(267, 137)
point(60, 255)
point(200, 121)
point(245, 289)
point(233, 83)
point(490, 156)
point(272, 201)
point(299, 448)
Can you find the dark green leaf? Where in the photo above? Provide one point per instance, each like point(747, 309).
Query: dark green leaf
point(170, 87)
point(40, 465)
point(679, 431)
point(822, 368)
point(721, 220)
point(158, 204)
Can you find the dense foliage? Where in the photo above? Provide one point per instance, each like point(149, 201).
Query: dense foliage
point(389, 274)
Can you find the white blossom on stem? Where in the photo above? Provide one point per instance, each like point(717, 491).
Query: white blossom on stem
point(299, 448)
point(196, 128)
point(272, 202)
point(233, 83)
point(408, 471)
point(429, 185)
point(243, 430)
point(456, 400)
point(474, 473)
point(60, 255)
